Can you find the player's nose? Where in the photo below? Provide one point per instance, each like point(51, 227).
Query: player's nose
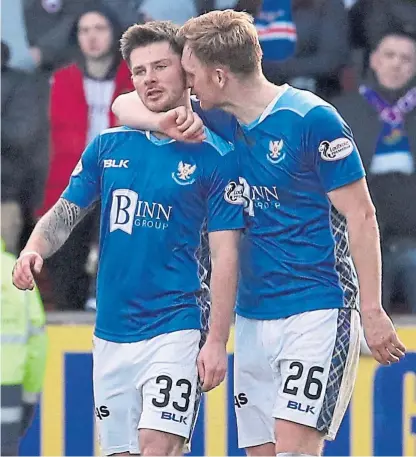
point(150, 78)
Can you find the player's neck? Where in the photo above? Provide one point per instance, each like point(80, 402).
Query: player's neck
point(251, 98)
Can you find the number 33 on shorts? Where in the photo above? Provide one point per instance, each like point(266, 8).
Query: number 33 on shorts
point(151, 384)
point(162, 399)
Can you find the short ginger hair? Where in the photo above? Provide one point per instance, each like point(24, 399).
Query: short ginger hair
point(226, 38)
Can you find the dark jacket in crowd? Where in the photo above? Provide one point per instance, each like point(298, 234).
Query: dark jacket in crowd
point(322, 47)
point(49, 24)
point(24, 146)
point(394, 194)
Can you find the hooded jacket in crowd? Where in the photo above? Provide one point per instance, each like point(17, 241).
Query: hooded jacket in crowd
point(69, 114)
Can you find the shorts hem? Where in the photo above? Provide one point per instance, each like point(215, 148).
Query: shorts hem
point(255, 442)
point(291, 419)
point(119, 449)
point(329, 436)
point(164, 430)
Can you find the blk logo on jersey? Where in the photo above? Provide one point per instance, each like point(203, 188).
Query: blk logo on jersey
point(127, 210)
point(335, 150)
point(275, 154)
point(112, 163)
point(185, 174)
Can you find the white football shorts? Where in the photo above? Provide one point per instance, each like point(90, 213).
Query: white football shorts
point(151, 384)
point(301, 369)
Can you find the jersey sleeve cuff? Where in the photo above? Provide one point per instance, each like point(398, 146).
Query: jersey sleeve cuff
point(349, 179)
point(75, 200)
point(221, 228)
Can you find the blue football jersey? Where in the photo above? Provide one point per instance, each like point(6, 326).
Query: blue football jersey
point(295, 254)
point(156, 197)
point(220, 122)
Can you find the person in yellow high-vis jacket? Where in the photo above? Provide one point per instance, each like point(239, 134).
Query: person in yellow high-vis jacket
point(23, 356)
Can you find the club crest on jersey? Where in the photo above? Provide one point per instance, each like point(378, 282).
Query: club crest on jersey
point(184, 175)
point(275, 154)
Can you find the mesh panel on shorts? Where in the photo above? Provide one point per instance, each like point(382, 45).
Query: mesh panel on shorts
point(336, 370)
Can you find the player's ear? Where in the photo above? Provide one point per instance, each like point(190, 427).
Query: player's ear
point(220, 77)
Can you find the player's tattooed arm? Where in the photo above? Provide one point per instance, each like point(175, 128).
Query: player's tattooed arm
point(54, 228)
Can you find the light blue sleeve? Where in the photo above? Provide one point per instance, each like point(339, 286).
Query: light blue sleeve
point(220, 122)
point(329, 146)
point(84, 186)
point(224, 213)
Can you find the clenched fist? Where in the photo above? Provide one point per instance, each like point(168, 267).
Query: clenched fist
point(28, 264)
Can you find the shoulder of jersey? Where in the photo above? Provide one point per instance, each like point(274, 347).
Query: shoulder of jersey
point(300, 102)
point(218, 143)
point(121, 129)
point(222, 146)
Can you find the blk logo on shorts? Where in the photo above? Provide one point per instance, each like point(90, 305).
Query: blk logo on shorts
point(302, 408)
point(102, 412)
point(174, 417)
point(240, 400)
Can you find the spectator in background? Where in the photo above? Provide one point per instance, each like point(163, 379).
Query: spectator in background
point(382, 116)
point(127, 14)
point(23, 357)
point(178, 12)
point(276, 30)
point(139, 11)
point(371, 19)
point(349, 3)
point(48, 25)
point(13, 33)
point(24, 152)
point(163, 10)
point(81, 98)
point(322, 48)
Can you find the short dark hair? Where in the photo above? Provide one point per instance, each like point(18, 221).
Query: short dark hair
point(139, 35)
point(393, 31)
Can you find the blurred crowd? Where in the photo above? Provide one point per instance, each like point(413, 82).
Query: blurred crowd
point(61, 69)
